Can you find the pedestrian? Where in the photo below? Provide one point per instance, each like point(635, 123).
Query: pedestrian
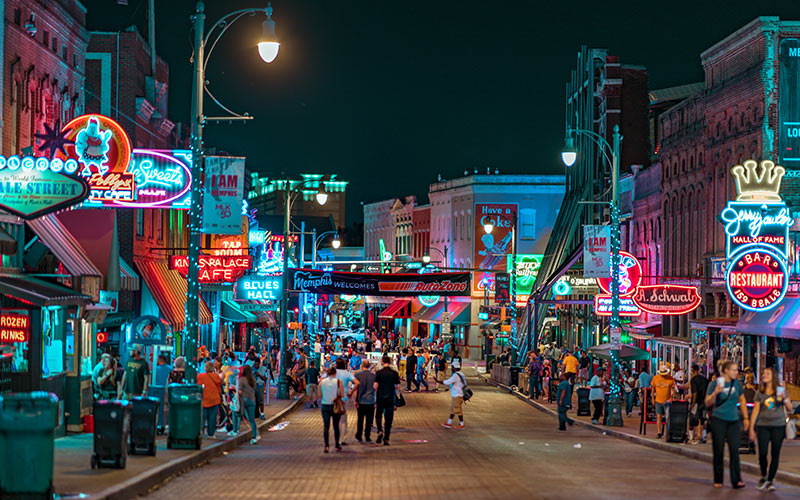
point(596, 392)
point(365, 401)
point(663, 390)
point(347, 380)
point(457, 382)
point(724, 396)
point(534, 368)
point(108, 383)
point(583, 369)
point(387, 383)
point(262, 384)
point(571, 367)
point(178, 373)
point(441, 369)
point(768, 424)
point(212, 397)
point(680, 382)
point(698, 385)
point(137, 374)
point(330, 389)
point(433, 366)
point(247, 400)
point(628, 383)
point(99, 370)
point(564, 401)
point(312, 383)
point(411, 370)
point(421, 374)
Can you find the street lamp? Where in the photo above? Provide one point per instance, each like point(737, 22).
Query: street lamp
point(336, 242)
point(268, 46)
point(426, 259)
point(568, 155)
point(322, 197)
point(200, 61)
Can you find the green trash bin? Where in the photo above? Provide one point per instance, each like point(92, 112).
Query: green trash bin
point(27, 424)
point(185, 416)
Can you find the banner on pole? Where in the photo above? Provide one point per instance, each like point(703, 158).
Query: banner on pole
point(597, 251)
point(223, 187)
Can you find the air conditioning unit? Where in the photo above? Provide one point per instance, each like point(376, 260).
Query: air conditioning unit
point(30, 25)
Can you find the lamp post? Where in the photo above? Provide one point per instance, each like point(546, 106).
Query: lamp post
point(200, 61)
point(568, 155)
point(322, 198)
point(488, 228)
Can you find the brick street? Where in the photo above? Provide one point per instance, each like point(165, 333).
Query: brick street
point(508, 450)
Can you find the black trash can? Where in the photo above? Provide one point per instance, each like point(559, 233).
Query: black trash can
point(514, 382)
point(143, 426)
point(746, 446)
point(112, 423)
point(676, 422)
point(584, 407)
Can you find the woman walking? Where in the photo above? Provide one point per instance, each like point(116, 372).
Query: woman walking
point(247, 400)
point(724, 396)
point(768, 424)
point(330, 389)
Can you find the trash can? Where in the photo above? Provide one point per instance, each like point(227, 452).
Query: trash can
point(112, 423)
point(143, 426)
point(27, 424)
point(677, 418)
point(185, 415)
point(159, 392)
point(514, 376)
point(584, 407)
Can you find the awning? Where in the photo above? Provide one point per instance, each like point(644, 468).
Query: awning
point(428, 314)
point(230, 311)
point(459, 313)
point(40, 293)
point(376, 300)
point(64, 246)
point(781, 322)
point(8, 245)
point(491, 325)
point(129, 278)
point(643, 331)
point(727, 325)
point(400, 308)
point(169, 289)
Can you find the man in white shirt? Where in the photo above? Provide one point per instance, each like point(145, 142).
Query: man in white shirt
point(457, 384)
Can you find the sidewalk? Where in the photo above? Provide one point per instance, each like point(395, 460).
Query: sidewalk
point(789, 470)
point(73, 474)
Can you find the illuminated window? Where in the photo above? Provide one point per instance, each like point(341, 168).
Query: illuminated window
point(527, 227)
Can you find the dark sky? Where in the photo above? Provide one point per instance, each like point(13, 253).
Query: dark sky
point(389, 94)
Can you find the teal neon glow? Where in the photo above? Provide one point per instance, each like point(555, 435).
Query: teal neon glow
point(57, 165)
point(147, 174)
point(92, 147)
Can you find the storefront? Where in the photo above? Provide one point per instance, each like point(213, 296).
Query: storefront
point(396, 317)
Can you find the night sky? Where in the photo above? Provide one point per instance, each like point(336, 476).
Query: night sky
point(389, 94)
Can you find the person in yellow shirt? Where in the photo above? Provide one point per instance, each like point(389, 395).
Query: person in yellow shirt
point(570, 367)
point(663, 389)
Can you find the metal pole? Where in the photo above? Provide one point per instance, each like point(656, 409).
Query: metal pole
point(196, 208)
point(614, 326)
point(283, 381)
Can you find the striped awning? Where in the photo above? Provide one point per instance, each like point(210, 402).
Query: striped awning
point(64, 246)
point(169, 290)
point(40, 293)
point(129, 279)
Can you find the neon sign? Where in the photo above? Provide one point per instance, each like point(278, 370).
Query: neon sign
point(757, 279)
point(349, 298)
point(258, 288)
point(667, 300)
point(213, 269)
point(602, 306)
point(630, 275)
point(30, 192)
point(429, 300)
point(14, 327)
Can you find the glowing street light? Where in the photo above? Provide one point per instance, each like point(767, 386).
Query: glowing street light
point(569, 154)
point(426, 259)
point(322, 196)
point(268, 46)
point(336, 242)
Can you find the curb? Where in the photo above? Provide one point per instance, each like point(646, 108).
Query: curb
point(785, 477)
point(142, 483)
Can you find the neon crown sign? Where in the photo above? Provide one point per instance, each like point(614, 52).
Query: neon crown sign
point(753, 184)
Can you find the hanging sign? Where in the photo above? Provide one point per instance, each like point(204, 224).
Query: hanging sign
point(30, 191)
point(162, 179)
point(630, 275)
point(502, 285)
point(222, 194)
point(214, 269)
point(150, 330)
point(15, 326)
point(602, 306)
point(491, 250)
point(757, 279)
point(255, 287)
point(597, 251)
point(668, 300)
point(378, 284)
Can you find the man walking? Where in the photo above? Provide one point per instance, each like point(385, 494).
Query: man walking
point(596, 386)
point(534, 369)
point(698, 388)
point(570, 367)
point(137, 374)
point(663, 388)
point(411, 370)
point(365, 401)
point(563, 399)
point(457, 384)
point(387, 383)
point(421, 374)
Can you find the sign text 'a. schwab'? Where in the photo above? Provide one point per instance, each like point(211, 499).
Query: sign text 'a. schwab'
point(668, 300)
point(214, 269)
point(378, 284)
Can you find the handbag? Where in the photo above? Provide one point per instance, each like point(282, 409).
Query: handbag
point(399, 400)
point(466, 391)
point(338, 403)
point(791, 426)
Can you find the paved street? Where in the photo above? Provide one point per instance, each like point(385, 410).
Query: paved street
point(509, 450)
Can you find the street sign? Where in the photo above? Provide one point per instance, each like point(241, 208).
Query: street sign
point(615, 337)
point(445, 329)
point(446, 317)
point(254, 307)
point(447, 337)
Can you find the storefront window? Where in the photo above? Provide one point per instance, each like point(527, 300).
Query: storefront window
point(53, 341)
point(15, 335)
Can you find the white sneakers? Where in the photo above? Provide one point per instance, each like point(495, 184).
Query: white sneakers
point(255, 440)
point(233, 433)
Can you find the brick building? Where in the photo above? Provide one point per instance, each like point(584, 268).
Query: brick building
point(421, 228)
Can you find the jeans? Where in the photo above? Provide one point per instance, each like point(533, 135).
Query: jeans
point(598, 409)
point(421, 380)
point(327, 413)
point(722, 431)
point(237, 420)
point(563, 419)
point(365, 412)
point(210, 420)
point(260, 390)
point(385, 411)
point(629, 401)
point(533, 382)
point(249, 407)
point(770, 434)
point(411, 377)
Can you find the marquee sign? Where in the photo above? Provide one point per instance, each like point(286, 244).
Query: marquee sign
point(757, 279)
point(214, 269)
point(378, 284)
point(15, 327)
point(667, 300)
point(30, 191)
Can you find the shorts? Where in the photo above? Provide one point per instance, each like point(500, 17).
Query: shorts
point(456, 405)
point(583, 373)
point(698, 417)
point(661, 408)
point(311, 390)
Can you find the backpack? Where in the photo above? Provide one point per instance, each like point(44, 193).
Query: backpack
point(466, 390)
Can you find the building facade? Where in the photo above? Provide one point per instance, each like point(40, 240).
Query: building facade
point(268, 197)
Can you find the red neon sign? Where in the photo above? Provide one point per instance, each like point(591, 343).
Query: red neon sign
point(667, 300)
point(627, 307)
point(630, 275)
point(14, 327)
point(214, 269)
point(757, 279)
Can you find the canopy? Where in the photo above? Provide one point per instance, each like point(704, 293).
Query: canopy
point(781, 322)
point(41, 293)
point(626, 352)
point(398, 309)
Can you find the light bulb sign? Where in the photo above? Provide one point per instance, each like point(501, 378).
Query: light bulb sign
point(255, 287)
point(757, 228)
point(30, 191)
point(602, 306)
point(214, 269)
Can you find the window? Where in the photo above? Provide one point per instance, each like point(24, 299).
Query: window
point(527, 220)
point(140, 222)
point(46, 38)
point(55, 45)
point(18, 17)
point(64, 51)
